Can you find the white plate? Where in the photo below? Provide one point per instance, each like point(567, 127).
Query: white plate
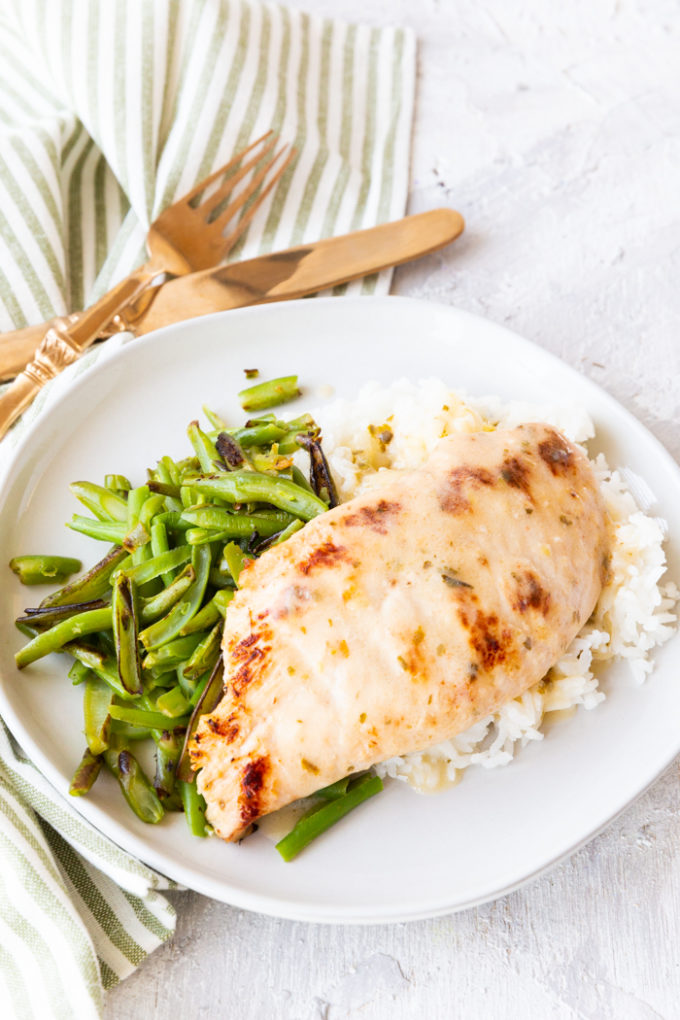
point(403, 856)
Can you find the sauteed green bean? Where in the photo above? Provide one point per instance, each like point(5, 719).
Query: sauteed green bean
point(144, 624)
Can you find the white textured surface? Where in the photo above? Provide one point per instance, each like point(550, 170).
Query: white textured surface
point(555, 129)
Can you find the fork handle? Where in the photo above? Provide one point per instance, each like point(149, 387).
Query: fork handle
point(64, 342)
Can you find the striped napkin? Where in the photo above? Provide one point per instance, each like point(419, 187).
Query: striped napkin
point(108, 112)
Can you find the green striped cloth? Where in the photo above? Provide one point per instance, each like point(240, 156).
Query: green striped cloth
point(109, 110)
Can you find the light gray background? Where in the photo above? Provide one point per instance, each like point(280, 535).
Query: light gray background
point(555, 128)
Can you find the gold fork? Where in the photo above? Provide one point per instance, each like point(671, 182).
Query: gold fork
point(187, 236)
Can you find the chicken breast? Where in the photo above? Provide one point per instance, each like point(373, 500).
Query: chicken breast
point(401, 617)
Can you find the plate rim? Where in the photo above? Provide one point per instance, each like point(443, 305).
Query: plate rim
point(222, 890)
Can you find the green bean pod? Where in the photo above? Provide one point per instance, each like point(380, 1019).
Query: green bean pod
point(146, 718)
point(208, 700)
point(322, 818)
point(102, 502)
point(234, 525)
point(168, 627)
point(255, 487)
point(92, 585)
point(194, 808)
point(173, 703)
point(159, 604)
point(258, 435)
point(235, 559)
point(125, 632)
point(102, 665)
point(205, 655)
point(85, 775)
point(141, 573)
point(215, 421)
point(168, 749)
point(97, 701)
point(41, 619)
point(173, 653)
point(54, 639)
point(137, 790)
point(118, 484)
point(44, 569)
point(103, 531)
point(206, 450)
point(211, 612)
point(270, 393)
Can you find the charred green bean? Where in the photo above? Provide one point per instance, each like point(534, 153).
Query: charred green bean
point(270, 393)
point(44, 569)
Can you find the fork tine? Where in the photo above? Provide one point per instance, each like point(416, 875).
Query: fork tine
point(240, 227)
point(202, 185)
point(213, 201)
point(251, 192)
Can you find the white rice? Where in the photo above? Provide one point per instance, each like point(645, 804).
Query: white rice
point(635, 612)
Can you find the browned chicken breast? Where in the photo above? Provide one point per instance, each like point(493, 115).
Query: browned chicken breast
point(401, 617)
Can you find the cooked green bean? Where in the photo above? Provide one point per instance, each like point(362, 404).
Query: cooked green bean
point(191, 528)
point(102, 502)
point(54, 639)
point(168, 470)
point(235, 560)
point(206, 450)
point(300, 479)
point(216, 422)
point(255, 487)
point(208, 700)
point(160, 543)
point(173, 703)
point(200, 536)
point(269, 394)
point(258, 435)
point(41, 619)
point(169, 626)
point(159, 604)
point(136, 538)
point(102, 665)
point(322, 818)
point(97, 701)
point(198, 687)
point(44, 569)
point(204, 619)
point(103, 531)
point(168, 749)
point(282, 535)
point(125, 630)
point(220, 578)
point(141, 573)
point(137, 790)
point(194, 808)
point(93, 583)
point(124, 733)
point(173, 653)
point(85, 775)
point(146, 718)
point(78, 673)
point(117, 483)
point(236, 525)
point(172, 519)
point(151, 506)
point(137, 497)
point(164, 489)
point(211, 612)
point(335, 790)
point(205, 654)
